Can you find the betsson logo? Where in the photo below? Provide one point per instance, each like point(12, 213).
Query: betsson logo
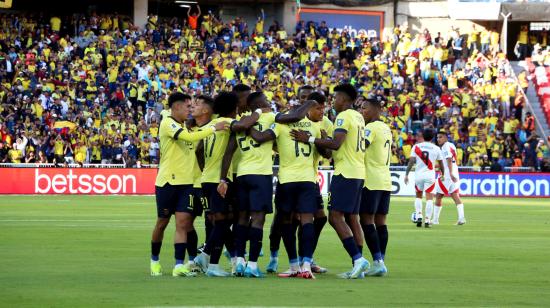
point(83, 184)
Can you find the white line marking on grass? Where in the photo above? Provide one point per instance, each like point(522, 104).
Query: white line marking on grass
point(72, 220)
point(43, 200)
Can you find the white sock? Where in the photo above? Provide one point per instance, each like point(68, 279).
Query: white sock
point(233, 260)
point(191, 262)
point(437, 212)
point(460, 210)
point(252, 265)
point(306, 266)
point(155, 262)
point(418, 206)
point(429, 209)
point(240, 260)
point(213, 266)
point(178, 265)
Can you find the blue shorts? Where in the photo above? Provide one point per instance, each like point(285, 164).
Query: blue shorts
point(255, 193)
point(375, 201)
point(297, 197)
point(345, 195)
point(320, 201)
point(215, 202)
point(198, 203)
point(173, 198)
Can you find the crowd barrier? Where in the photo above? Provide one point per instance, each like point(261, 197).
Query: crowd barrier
point(140, 181)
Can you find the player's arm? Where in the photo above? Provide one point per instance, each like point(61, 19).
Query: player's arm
point(226, 163)
point(295, 114)
point(412, 161)
point(324, 143)
point(261, 137)
point(180, 133)
point(441, 168)
point(449, 162)
point(245, 123)
point(199, 153)
point(325, 153)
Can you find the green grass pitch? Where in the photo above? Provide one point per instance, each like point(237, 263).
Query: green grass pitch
point(94, 251)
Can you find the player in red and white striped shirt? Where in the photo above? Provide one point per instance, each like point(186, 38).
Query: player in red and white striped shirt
point(450, 183)
point(424, 155)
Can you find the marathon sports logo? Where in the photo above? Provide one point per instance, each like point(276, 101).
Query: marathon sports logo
point(505, 185)
point(68, 182)
point(486, 184)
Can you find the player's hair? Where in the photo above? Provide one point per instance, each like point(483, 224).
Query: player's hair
point(374, 102)
point(318, 97)
point(177, 97)
point(252, 97)
point(347, 89)
point(241, 88)
point(225, 103)
point(207, 100)
point(428, 134)
point(306, 87)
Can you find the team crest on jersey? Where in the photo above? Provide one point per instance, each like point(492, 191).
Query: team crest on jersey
point(367, 132)
point(174, 126)
point(339, 122)
point(272, 126)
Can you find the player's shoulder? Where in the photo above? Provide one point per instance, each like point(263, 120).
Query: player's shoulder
point(270, 114)
point(170, 122)
point(165, 113)
point(220, 119)
point(242, 115)
point(448, 145)
point(326, 121)
point(379, 126)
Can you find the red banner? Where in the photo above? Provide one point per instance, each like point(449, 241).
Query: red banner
point(80, 181)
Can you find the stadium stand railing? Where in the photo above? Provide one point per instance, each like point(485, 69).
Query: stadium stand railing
point(119, 166)
point(541, 81)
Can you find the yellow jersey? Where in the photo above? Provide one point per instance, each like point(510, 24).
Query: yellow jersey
point(328, 127)
point(349, 158)
point(177, 152)
point(214, 149)
point(197, 173)
point(256, 158)
point(296, 159)
point(59, 147)
point(377, 157)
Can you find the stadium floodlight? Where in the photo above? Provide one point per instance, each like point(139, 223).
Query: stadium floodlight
point(184, 5)
point(190, 2)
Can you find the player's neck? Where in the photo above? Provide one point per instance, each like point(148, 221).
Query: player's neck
point(177, 118)
point(348, 107)
point(307, 117)
point(374, 119)
point(203, 119)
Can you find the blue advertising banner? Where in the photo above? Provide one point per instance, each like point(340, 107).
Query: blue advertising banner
point(356, 22)
point(472, 184)
point(505, 184)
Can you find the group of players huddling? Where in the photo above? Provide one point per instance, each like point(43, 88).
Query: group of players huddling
point(221, 162)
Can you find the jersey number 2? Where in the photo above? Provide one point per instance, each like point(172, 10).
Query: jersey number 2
point(387, 144)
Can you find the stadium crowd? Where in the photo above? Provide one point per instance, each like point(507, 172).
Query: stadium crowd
point(91, 89)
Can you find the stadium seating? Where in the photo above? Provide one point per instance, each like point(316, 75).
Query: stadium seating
point(95, 96)
point(541, 80)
